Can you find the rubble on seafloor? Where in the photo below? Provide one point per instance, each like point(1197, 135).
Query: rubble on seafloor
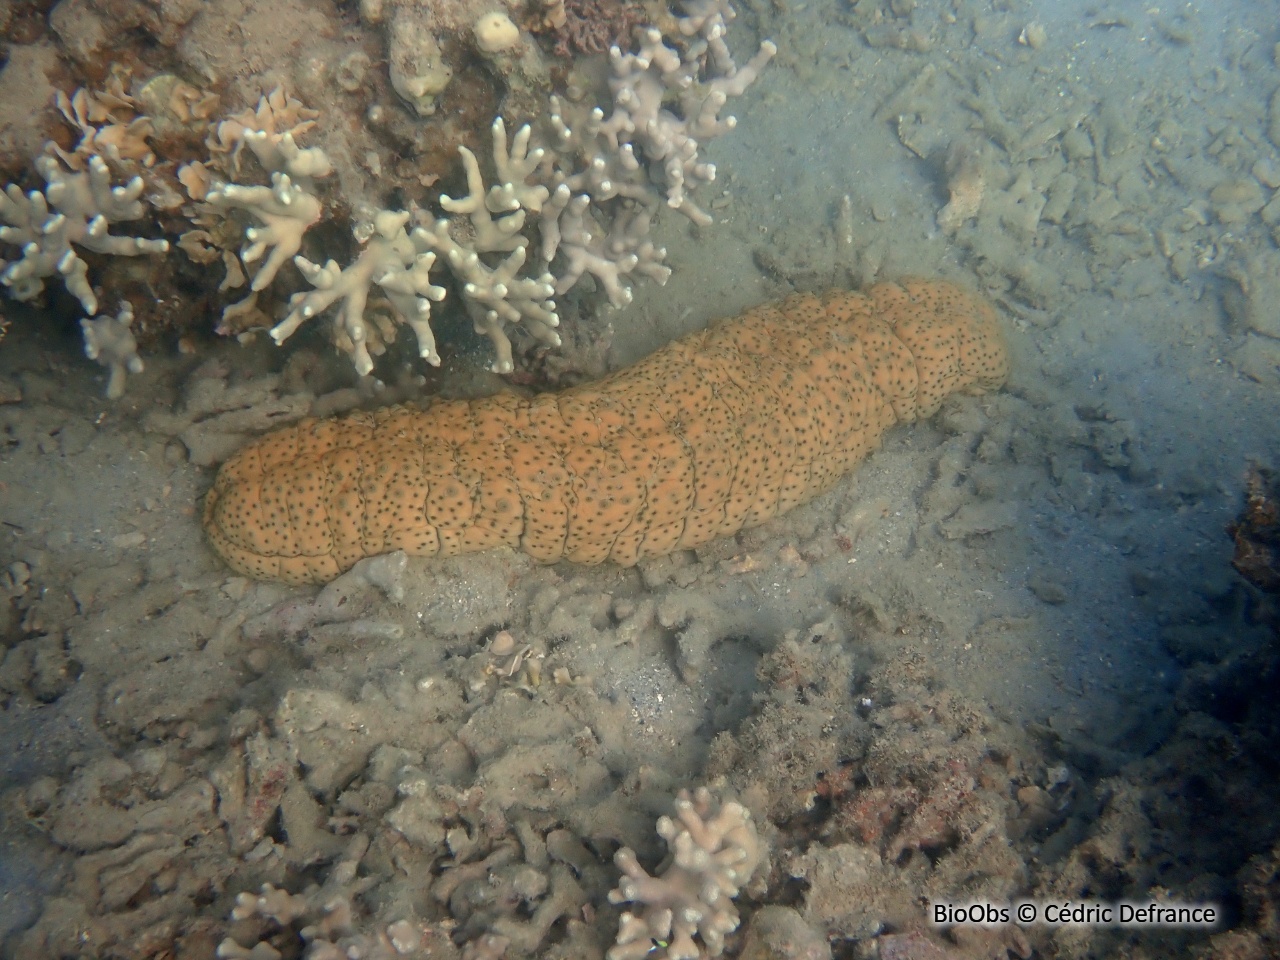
point(1257, 531)
point(471, 812)
point(471, 796)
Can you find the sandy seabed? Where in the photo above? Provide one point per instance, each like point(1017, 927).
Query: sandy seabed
point(1006, 660)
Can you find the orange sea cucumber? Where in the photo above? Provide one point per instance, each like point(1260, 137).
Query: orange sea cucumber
point(718, 431)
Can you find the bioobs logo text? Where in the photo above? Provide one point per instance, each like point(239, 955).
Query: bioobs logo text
point(983, 914)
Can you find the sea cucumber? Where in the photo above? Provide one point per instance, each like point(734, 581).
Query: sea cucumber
point(715, 432)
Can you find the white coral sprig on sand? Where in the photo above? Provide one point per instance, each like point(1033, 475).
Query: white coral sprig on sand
point(110, 341)
point(685, 913)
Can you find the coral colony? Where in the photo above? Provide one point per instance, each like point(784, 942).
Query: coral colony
point(570, 195)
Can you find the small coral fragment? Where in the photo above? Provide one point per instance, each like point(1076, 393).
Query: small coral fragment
point(685, 912)
point(967, 183)
point(110, 341)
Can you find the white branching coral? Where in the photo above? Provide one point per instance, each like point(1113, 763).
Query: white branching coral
point(494, 293)
point(589, 194)
point(75, 212)
point(609, 257)
point(537, 218)
point(551, 206)
point(684, 913)
point(591, 189)
point(286, 209)
point(75, 209)
point(388, 259)
point(666, 104)
point(496, 296)
point(515, 165)
point(280, 152)
point(286, 212)
point(592, 163)
point(641, 82)
point(484, 234)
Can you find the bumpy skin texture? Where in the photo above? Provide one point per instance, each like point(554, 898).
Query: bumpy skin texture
point(715, 432)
